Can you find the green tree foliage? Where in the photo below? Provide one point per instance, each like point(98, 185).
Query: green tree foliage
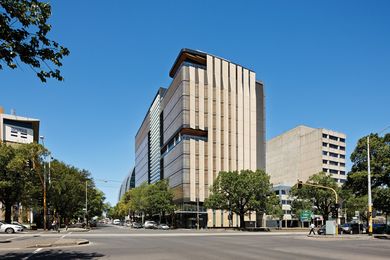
point(243, 192)
point(357, 182)
point(23, 36)
point(67, 192)
point(300, 205)
point(16, 177)
point(321, 198)
point(379, 161)
point(147, 200)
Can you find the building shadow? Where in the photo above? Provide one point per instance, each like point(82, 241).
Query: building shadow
point(52, 254)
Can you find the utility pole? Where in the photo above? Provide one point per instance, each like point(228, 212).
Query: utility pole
point(369, 188)
point(86, 203)
point(44, 188)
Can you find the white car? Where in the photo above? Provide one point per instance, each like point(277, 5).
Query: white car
point(10, 228)
point(150, 224)
point(116, 222)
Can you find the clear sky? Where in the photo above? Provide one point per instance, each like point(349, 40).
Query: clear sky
point(324, 64)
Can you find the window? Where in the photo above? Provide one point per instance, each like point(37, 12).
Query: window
point(277, 192)
point(324, 144)
point(333, 171)
point(342, 140)
point(333, 163)
point(342, 148)
point(333, 146)
point(342, 156)
point(284, 202)
point(283, 192)
point(342, 164)
point(324, 136)
point(324, 153)
point(324, 170)
point(333, 138)
point(333, 155)
point(325, 161)
point(342, 172)
point(343, 181)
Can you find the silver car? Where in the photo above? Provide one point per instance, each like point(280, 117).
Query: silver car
point(10, 228)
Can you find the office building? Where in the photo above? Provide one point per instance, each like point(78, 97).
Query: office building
point(304, 151)
point(210, 119)
point(127, 184)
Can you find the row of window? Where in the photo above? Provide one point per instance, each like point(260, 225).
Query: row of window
point(333, 171)
point(287, 212)
point(333, 163)
point(281, 192)
point(333, 146)
point(286, 202)
point(342, 156)
point(335, 138)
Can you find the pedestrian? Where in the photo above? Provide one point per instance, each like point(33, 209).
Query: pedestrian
point(312, 226)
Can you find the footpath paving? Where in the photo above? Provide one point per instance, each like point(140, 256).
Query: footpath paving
point(41, 239)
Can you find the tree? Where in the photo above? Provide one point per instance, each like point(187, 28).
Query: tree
point(242, 192)
point(381, 200)
point(300, 205)
point(23, 36)
point(379, 161)
point(321, 198)
point(16, 177)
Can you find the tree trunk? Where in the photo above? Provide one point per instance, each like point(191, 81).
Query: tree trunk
point(8, 210)
point(242, 220)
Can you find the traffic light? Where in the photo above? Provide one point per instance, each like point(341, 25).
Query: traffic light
point(300, 184)
point(334, 209)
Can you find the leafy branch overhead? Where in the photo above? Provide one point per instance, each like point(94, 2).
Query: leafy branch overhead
point(23, 37)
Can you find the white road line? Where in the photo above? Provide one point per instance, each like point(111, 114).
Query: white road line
point(33, 253)
point(66, 234)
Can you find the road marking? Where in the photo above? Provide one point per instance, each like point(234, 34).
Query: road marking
point(33, 253)
point(66, 234)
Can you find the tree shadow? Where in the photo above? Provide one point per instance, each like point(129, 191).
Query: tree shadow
point(52, 254)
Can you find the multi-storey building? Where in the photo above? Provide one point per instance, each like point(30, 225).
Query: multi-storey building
point(304, 151)
point(17, 129)
point(210, 119)
point(300, 153)
point(127, 184)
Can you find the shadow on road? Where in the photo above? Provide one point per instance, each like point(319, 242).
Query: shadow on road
point(53, 254)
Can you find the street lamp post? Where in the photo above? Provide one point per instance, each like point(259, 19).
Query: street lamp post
point(369, 188)
point(44, 189)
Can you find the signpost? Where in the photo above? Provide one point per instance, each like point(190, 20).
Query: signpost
point(306, 215)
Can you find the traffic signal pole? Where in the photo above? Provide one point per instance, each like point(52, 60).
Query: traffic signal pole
point(300, 183)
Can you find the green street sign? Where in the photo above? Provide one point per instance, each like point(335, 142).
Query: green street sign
point(306, 215)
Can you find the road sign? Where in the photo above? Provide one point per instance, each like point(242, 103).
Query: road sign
point(306, 215)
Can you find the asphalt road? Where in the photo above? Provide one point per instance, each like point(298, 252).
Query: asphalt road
point(111, 242)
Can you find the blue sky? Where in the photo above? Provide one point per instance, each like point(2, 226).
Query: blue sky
point(324, 64)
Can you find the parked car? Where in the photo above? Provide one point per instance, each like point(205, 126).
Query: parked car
point(163, 226)
point(347, 228)
point(19, 224)
point(10, 228)
point(150, 224)
point(136, 225)
point(116, 222)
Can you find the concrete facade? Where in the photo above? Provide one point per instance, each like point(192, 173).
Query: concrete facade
point(211, 120)
point(304, 151)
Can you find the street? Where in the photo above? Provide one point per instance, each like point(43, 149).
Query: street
point(113, 242)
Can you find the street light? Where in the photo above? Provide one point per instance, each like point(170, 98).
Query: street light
point(44, 188)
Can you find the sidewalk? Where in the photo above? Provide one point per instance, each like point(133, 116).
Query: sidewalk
point(40, 242)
